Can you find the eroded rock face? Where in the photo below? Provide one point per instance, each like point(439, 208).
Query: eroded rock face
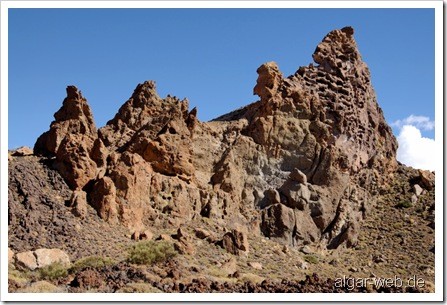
point(299, 165)
point(70, 139)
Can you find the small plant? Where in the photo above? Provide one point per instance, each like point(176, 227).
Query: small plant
point(53, 271)
point(149, 252)
point(92, 262)
point(404, 204)
point(18, 276)
point(311, 259)
point(40, 287)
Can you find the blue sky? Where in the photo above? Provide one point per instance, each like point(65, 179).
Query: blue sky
point(209, 56)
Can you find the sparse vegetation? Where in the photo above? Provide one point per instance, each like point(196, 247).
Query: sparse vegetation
point(21, 277)
point(149, 252)
point(311, 259)
point(53, 271)
point(40, 287)
point(91, 261)
point(251, 278)
point(404, 204)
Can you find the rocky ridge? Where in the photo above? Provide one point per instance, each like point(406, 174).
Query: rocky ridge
point(303, 166)
point(305, 157)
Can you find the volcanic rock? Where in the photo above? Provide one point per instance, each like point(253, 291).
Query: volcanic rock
point(11, 256)
point(427, 179)
point(23, 151)
point(78, 201)
point(46, 257)
point(26, 260)
point(299, 165)
point(70, 139)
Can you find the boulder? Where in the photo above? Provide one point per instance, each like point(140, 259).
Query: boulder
point(255, 265)
point(78, 202)
point(184, 243)
point(23, 151)
point(26, 260)
point(290, 226)
point(46, 257)
point(229, 266)
point(417, 189)
point(427, 179)
point(11, 256)
point(298, 176)
point(202, 233)
point(235, 241)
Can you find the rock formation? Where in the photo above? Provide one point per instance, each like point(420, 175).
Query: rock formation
point(300, 166)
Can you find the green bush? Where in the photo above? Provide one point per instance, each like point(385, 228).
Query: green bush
point(149, 252)
point(311, 259)
point(53, 271)
point(92, 262)
point(404, 204)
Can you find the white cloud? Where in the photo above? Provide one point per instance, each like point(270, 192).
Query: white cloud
point(418, 121)
point(415, 150)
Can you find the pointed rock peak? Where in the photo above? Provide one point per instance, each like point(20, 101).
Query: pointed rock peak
point(269, 79)
point(75, 107)
point(146, 89)
point(73, 118)
point(148, 85)
point(338, 46)
point(349, 31)
point(74, 93)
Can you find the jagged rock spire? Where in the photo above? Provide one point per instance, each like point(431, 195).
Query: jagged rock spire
point(74, 117)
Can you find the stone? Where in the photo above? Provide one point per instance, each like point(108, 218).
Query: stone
point(185, 247)
point(78, 202)
point(184, 244)
point(272, 196)
point(181, 234)
point(228, 243)
point(278, 221)
point(414, 198)
point(165, 237)
point(298, 176)
point(417, 189)
point(268, 81)
point(306, 250)
point(11, 256)
point(229, 266)
point(135, 235)
point(46, 257)
point(202, 233)
point(353, 269)
point(302, 265)
point(146, 235)
point(255, 265)
point(23, 151)
point(103, 199)
point(240, 234)
point(26, 260)
point(427, 179)
point(236, 241)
